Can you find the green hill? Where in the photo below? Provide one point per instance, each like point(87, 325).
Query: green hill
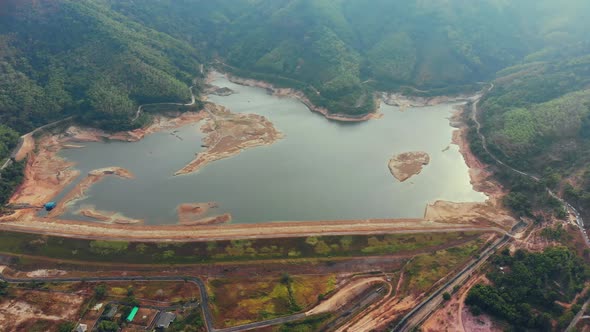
point(61, 57)
point(79, 57)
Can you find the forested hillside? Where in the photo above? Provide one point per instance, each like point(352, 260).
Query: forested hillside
point(528, 288)
point(537, 119)
point(100, 58)
point(78, 57)
point(339, 52)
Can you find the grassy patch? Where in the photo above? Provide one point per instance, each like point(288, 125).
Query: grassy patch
point(188, 321)
point(238, 301)
point(224, 251)
point(424, 270)
point(313, 323)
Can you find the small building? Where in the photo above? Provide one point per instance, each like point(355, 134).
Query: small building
point(132, 314)
point(82, 328)
point(110, 314)
point(165, 320)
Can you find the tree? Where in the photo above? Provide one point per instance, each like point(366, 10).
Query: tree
point(100, 291)
point(168, 254)
point(113, 109)
point(141, 248)
point(518, 202)
point(286, 279)
point(106, 248)
point(3, 288)
point(66, 327)
point(446, 296)
point(108, 326)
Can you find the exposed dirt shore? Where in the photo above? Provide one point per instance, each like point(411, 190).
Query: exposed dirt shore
point(46, 174)
point(198, 214)
point(404, 102)
point(491, 211)
point(107, 216)
point(218, 91)
point(227, 134)
point(405, 165)
point(160, 123)
point(288, 92)
point(79, 192)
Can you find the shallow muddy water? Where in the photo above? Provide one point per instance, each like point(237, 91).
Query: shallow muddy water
point(321, 170)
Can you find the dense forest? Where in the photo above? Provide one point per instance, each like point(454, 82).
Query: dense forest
point(527, 288)
point(537, 119)
point(60, 58)
point(100, 59)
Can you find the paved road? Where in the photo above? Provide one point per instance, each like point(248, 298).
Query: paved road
point(208, 317)
point(577, 317)
point(140, 108)
point(428, 306)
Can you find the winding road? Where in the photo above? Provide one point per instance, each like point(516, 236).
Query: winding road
point(478, 126)
point(140, 108)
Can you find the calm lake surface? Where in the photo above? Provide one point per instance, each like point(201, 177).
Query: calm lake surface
point(321, 170)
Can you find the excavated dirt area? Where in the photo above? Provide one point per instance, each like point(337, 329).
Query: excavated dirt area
point(344, 295)
point(28, 144)
point(405, 165)
point(21, 312)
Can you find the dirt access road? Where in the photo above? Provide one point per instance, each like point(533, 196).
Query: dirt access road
point(98, 231)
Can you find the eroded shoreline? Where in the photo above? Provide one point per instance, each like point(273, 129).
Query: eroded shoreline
point(59, 173)
point(227, 134)
point(292, 93)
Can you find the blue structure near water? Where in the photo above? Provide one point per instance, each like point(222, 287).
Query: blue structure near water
point(50, 206)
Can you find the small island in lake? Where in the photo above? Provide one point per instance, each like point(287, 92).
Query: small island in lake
point(407, 164)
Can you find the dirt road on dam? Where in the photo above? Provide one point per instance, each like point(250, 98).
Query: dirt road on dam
point(99, 231)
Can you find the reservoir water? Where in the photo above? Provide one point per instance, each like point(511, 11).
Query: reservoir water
point(321, 170)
